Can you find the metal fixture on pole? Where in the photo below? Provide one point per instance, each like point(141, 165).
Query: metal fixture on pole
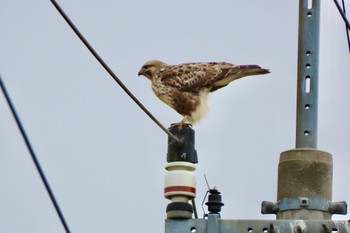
point(180, 179)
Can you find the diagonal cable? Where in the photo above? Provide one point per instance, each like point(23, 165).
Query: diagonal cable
point(102, 62)
point(347, 30)
point(35, 160)
point(347, 24)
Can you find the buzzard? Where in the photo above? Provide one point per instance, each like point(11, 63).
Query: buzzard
point(185, 87)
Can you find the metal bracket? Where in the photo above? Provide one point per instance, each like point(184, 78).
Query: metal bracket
point(310, 203)
point(215, 225)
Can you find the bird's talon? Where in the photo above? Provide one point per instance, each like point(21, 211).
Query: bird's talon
point(180, 125)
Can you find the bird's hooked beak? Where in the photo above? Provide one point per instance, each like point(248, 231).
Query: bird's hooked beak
point(140, 72)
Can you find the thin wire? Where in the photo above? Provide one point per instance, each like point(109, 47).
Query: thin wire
point(35, 160)
point(342, 15)
point(347, 31)
point(101, 61)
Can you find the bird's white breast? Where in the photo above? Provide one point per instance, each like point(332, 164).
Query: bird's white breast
point(202, 109)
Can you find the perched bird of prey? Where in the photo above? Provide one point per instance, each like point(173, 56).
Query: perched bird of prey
point(185, 87)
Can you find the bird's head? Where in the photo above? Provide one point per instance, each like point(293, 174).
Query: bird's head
point(150, 68)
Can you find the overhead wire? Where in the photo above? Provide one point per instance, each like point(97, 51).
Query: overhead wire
point(34, 157)
point(343, 15)
point(346, 29)
point(23, 132)
point(112, 74)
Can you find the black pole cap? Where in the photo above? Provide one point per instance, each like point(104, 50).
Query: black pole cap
point(184, 149)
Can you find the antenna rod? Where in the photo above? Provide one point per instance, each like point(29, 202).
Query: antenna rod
point(307, 86)
point(194, 208)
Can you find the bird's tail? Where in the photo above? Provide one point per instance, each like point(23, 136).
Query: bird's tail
point(239, 72)
point(246, 70)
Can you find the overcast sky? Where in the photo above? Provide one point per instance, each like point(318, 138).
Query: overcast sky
point(104, 158)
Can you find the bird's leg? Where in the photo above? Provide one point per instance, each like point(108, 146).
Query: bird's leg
point(181, 123)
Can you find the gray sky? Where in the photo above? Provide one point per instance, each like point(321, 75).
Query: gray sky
point(103, 156)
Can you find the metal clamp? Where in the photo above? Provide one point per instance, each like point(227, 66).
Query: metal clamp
point(297, 203)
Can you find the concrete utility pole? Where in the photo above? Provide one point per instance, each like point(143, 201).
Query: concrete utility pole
point(304, 192)
point(305, 173)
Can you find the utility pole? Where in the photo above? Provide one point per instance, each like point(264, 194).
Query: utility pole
point(305, 173)
point(307, 85)
point(304, 193)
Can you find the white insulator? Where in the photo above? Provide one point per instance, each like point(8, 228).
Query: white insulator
point(180, 180)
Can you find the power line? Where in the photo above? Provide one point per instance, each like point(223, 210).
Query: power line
point(343, 15)
point(34, 158)
point(347, 30)
point(101, 61)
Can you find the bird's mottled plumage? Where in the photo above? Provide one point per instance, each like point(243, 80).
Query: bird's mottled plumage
point(185, 87)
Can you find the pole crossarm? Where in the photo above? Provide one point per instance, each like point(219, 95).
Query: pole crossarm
point(250, 226)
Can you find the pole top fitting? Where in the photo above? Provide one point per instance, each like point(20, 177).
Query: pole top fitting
point(184, 149)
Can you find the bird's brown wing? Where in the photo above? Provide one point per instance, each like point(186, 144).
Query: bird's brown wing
point(194, 76)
